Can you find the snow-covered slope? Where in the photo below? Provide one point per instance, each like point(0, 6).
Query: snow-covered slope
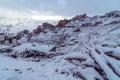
point(13, 26)
point(86, 48)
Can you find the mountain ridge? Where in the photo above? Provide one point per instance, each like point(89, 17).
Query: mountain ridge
point(70, 50)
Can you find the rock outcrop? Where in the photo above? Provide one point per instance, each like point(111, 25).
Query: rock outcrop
point(62, 23)
point(79, 17)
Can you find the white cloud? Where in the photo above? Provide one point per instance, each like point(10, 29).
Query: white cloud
point(45, 18)
point(4, 12)
point(65, 8)
point(30, 14)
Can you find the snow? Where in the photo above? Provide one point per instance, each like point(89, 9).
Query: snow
point(77, 56)
point(3, 46)
point(13, 26)
point(34, 46)
point(30, 70)
point(107, 70)
point(116, 51)
point(117, 69)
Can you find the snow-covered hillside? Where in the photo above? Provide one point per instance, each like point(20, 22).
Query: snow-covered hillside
point(13, 26)
point(83, 48)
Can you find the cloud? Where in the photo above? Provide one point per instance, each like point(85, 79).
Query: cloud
point(4, 12)
point(45, 18)
point(64, 8)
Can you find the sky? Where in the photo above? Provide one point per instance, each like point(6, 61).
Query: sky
point(55, 9)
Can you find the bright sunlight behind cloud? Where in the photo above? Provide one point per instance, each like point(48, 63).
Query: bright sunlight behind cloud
point(38, 17)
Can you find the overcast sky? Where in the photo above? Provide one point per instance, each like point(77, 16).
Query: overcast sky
point(60, 8)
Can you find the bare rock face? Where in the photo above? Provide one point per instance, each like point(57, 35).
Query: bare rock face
point(47, 25)
point(63, 22)
point(87, 24)
point(21, 34)
point(114, 14)
point(32, 53)
point(40, 28)
point(4, 50)
point(26, 31)
point(2, 37)
point(79, 17)
point(36, 31)
point(113, 22)
point(97, 23)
